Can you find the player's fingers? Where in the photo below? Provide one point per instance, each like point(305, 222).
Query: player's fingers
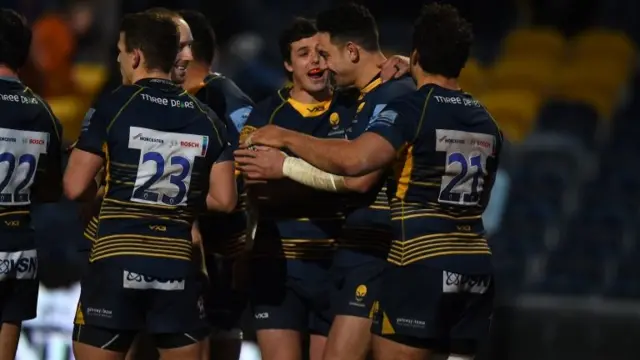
point(244, 153)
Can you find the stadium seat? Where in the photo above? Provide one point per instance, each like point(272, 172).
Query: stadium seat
point(547, 43)
point(69, 110)
point(523, 74)
point(525, 225)
point(571, 118)
point(592, 85)
point(571, 271)
point(600, 43)
point(599, 231)
point(89, 78)
point(627, 278)
point(514, 111)
point(472, 77)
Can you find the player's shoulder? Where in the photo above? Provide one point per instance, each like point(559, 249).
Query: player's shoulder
point(395, 88)
point(226, 87)
point(112, 101)
point(270, 104)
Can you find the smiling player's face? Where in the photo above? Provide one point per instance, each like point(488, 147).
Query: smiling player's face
point(309, 69)
point(185, 56)
point(338, 60)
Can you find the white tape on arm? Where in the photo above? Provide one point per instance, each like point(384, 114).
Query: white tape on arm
point(301, 171)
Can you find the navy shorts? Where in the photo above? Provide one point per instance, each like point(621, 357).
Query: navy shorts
point(224, 305)
point(116, 299)
point(18, 300)
point(291, 294)
point(424, 307)
point(356, 286)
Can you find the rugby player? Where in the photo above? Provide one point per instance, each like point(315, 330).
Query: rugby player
point(437, 291)
point(296, 225)
point(349, 42)
point(224, 236)
point(141, 275)
point(30, 171)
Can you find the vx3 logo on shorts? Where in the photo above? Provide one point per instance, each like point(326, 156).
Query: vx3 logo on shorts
point(21, 265)
point(458, 283)
point(131, 280)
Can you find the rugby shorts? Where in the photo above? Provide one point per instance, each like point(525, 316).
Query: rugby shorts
point(425, 307)
point(18, 285)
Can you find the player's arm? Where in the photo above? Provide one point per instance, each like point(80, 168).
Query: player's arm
point(83, 175)
point(223, 192)
point(48, 183)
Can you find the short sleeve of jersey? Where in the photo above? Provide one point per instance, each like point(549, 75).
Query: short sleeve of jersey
point(224, 151)
point(94, 132)
point(394, 124)
point(52, 167)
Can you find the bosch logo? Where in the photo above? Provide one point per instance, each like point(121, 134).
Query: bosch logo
point(189, 144)
point(36, 141)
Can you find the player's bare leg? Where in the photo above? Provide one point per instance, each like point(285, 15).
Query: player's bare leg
point(349, 338)
point(9, 337)
point(87, 352)
point(189, 352)
point(279, 344)
point(317, 344)
point(131, 354)
point(385, 349)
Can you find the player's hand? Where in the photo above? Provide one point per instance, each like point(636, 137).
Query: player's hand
point(270, 135)
point(196, 235)
point(260, 164)
point(396, 66)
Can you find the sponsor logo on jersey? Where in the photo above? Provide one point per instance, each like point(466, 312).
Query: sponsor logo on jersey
point(19, 265)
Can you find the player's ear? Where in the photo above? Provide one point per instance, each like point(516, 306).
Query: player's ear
point(288, 67)
point(413, 58)
point(353, 52)
point(137, 58)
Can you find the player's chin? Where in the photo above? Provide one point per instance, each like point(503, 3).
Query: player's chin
point(316, 84)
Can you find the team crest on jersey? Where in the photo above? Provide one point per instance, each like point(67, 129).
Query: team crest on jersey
point(334, 119)
point(361, 292)
point(360, 107)
point(245, 132)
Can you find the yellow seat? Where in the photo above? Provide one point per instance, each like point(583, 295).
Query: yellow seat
point(534, 42)
point(69, 110)
point(604, 43)
point(89, 78)
point(587, 82)
point(523, 74)
point(472, 77)
point(515, 111)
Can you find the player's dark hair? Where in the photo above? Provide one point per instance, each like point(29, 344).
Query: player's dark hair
point(15, 39)
point(163, 12)
point(350, 22)
point(301, 28)
point(204, 38)
point(442, 39)
point(157, 37)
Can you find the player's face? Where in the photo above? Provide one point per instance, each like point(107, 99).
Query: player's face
point(125, 60)
point(309, 69)
point(338, 60)
point(179, 71)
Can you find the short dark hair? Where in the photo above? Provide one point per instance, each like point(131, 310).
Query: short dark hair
point(154, 36)
point(300, 28)
point(350, 22)
point(163, 12)
point(442, 39)
point(15, 39)
point(204, 38)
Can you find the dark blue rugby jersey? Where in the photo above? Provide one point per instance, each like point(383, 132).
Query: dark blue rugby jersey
point(449, 148)
point(159, 144)
point(30, 160)
point(225, 234)
point(367, 227)
point(302, 223)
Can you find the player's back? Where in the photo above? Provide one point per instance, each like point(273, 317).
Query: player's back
point(303, 222)
point(443, 180)
point(30, 159)
point(160, 144)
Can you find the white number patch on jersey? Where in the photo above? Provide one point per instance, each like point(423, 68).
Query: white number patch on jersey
point(465, 166)
point(19, 155)
point(165, 165)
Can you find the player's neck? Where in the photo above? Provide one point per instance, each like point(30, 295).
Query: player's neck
point(299, 94)
point(423, 79)
point(196, 73)
point(368, 68)
point(7, 72)
point(153, 74)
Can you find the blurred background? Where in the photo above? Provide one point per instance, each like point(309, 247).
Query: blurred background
point(559, 76)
